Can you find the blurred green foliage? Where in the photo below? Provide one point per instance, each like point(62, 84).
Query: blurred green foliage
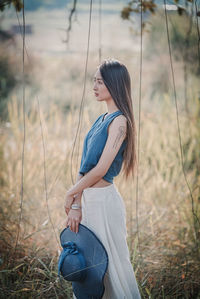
point(7, 77)
point(151, 6)
point(16, 3)
point(7, 83)
point(184, 45)
point(184, 41)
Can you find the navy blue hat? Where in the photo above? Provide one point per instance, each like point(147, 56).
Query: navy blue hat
point(83, 261)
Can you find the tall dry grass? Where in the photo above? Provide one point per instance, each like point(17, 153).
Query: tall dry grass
point(165, 257)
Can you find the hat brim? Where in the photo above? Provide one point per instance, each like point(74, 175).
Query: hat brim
point(96, 259)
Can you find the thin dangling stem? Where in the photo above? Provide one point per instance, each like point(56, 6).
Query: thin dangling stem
point(195, 217)
point(83, 94)
point(24, 133)
point(100, 26)
point(139, 123)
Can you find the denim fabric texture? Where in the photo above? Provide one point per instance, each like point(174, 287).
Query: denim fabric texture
point(94, 144)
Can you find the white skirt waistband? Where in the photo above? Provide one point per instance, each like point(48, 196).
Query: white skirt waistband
point(88, 192)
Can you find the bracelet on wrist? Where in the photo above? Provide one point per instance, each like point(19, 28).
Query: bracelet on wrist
point(75, 206)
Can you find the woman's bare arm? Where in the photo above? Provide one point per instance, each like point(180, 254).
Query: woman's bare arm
point(78, 195)
point(75, 216)
point(77, 198)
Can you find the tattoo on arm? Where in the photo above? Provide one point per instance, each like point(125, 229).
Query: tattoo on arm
point(121, 133)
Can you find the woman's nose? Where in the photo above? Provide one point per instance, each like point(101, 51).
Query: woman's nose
point(94, 86)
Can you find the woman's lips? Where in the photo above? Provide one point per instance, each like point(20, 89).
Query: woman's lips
point(96, 94)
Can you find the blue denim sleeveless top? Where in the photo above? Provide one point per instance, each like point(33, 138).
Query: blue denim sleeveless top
point(94, 144)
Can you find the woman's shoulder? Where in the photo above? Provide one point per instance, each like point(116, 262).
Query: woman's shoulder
point(120, 120)
point(118, 123)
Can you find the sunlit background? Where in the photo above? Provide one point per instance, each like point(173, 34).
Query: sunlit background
point(162, 200)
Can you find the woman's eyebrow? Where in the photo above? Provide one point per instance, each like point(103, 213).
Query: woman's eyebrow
point(97, 78)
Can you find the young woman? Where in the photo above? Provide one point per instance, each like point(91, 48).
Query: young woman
point(109, 145)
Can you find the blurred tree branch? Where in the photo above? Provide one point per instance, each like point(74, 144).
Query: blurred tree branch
point(16, 3)
point(72, 11)
point(149, 5)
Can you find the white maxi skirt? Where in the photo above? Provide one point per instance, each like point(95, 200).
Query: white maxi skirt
point(104, 212)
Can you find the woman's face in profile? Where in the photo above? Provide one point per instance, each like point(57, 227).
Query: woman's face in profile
point(100, 90)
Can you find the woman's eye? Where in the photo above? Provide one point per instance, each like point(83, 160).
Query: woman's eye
point(98, 81)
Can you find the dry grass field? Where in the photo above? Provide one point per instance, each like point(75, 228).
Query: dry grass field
point(165, 251)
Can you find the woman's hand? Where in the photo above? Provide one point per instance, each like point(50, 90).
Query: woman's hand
point(73, 219)
point(68, 201)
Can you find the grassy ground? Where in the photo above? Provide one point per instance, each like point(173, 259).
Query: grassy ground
point(165, 255)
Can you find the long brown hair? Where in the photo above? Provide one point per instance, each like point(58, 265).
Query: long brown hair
point(117, 80)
